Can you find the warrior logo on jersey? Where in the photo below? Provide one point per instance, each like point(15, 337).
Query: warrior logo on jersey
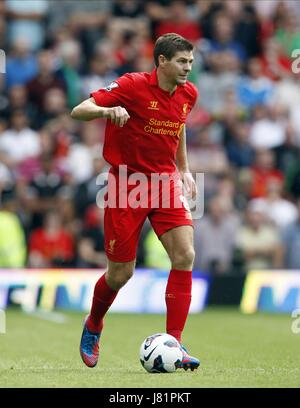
point(112, 86)
point(153, 105)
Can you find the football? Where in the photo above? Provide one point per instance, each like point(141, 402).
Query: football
point(160, 353)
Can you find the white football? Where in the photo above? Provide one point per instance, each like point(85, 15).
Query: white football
point(160, 353)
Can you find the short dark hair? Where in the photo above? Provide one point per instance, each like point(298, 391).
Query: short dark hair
point(169, 44)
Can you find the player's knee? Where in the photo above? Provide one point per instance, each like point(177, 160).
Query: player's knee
point(117, 278)
point(183, 259)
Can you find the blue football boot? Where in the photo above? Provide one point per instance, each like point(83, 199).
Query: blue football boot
point(89, 346)
point(188, 362)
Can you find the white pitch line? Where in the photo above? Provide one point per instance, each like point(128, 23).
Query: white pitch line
point(53, 317)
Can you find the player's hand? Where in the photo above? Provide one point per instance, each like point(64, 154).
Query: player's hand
point(118, 115)
point(189, 184)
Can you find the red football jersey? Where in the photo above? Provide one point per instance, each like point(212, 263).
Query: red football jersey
point(148, 142)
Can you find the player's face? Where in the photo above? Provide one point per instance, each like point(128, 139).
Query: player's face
point(178, 67)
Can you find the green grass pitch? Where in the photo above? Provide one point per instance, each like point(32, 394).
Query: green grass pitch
point(235, 350)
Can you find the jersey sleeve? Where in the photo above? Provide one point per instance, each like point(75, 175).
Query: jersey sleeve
point(194, 95)
point(119, 92)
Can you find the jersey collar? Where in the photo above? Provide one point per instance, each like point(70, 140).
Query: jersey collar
point(154, 82)
point(153, 78)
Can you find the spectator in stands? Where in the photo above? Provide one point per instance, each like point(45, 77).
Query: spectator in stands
point(55, 104)
point(3, 27)
point(239, 151)
point(290, 244)
point(254, 88)
point(18, 99)
point(262, 171)
point(257, 239)
point(21, 64)
point(268, 130)
point(215, 238)
point(131, 9)
point(275, 64)
point(227, 192)
point(83, 152)
point(64, 132)
point(32, 168)
point(216, 84)
point(279, 210)
point(286, 91)
point(82, 20)
point(288, 35)
point(220, 78)
point(19, 142)
point(178, 21)
point(229, 116)
point(207, 10)
point(157, 12)
point(287, 153)
point(247, 26)
point(6, 178)
point(293, 179)
point(26, 20)
point(41, 194)
point(155, 255)
point(44, 81)
point(223, 42)
point(100, 74)
point(244, 17)
point(69, 52)
point(91, 253)
point(86, 192)
point(128, 50)
point(71, 222)
point(51, 245)
point(205, 155)
point(12, 238)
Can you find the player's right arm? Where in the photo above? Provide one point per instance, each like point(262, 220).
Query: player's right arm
point(89, 110)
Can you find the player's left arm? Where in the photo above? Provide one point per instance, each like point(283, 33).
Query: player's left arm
point(183, 166)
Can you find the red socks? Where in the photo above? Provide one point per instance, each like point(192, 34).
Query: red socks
point(178, 300)
point(102, 300)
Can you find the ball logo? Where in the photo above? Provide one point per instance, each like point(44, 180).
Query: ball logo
point(171, 343)
point(146, 358)
point(149, 341)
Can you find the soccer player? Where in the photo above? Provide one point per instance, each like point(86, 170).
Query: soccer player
point(145, 131)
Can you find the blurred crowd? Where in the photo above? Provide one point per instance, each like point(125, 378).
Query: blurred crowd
point(243, 134)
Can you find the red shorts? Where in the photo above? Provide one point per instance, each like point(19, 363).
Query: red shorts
point(127, 211)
